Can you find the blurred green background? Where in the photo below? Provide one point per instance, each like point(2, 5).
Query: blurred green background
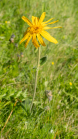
point(57, 119)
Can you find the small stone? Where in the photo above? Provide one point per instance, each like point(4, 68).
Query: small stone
point(11, 40)
point(12, 36)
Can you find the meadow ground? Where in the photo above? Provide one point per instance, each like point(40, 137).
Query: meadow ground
point(57, 119)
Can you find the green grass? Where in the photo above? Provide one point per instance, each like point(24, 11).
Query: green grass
point(17, 72)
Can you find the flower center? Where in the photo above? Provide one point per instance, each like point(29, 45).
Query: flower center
point(35, 29)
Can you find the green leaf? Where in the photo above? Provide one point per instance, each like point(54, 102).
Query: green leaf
point(43, 60)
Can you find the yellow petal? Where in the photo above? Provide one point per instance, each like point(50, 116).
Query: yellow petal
point(42, 17)
point(36, 21)
point(43, 24)
point(33, 20)
point(34, 41)
point(25, 37)
point(40, 40)
point(27, 41)
point(48, 37)
point(53, 22)
point(27, 20)
point(35, 45)
point(48, 20)
point(50, 27)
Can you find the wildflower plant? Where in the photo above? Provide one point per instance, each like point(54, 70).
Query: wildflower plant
point(37, 28)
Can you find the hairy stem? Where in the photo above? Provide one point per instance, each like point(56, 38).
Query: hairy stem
point(35, 85)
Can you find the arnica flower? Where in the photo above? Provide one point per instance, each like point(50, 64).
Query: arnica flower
point(37, 29)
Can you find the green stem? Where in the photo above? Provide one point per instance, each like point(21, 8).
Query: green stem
point(35, 85)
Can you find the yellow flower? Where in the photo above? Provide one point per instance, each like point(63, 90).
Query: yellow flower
point(37, 29)
point(7, 22)
point(70, 83)
point(52, 63)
